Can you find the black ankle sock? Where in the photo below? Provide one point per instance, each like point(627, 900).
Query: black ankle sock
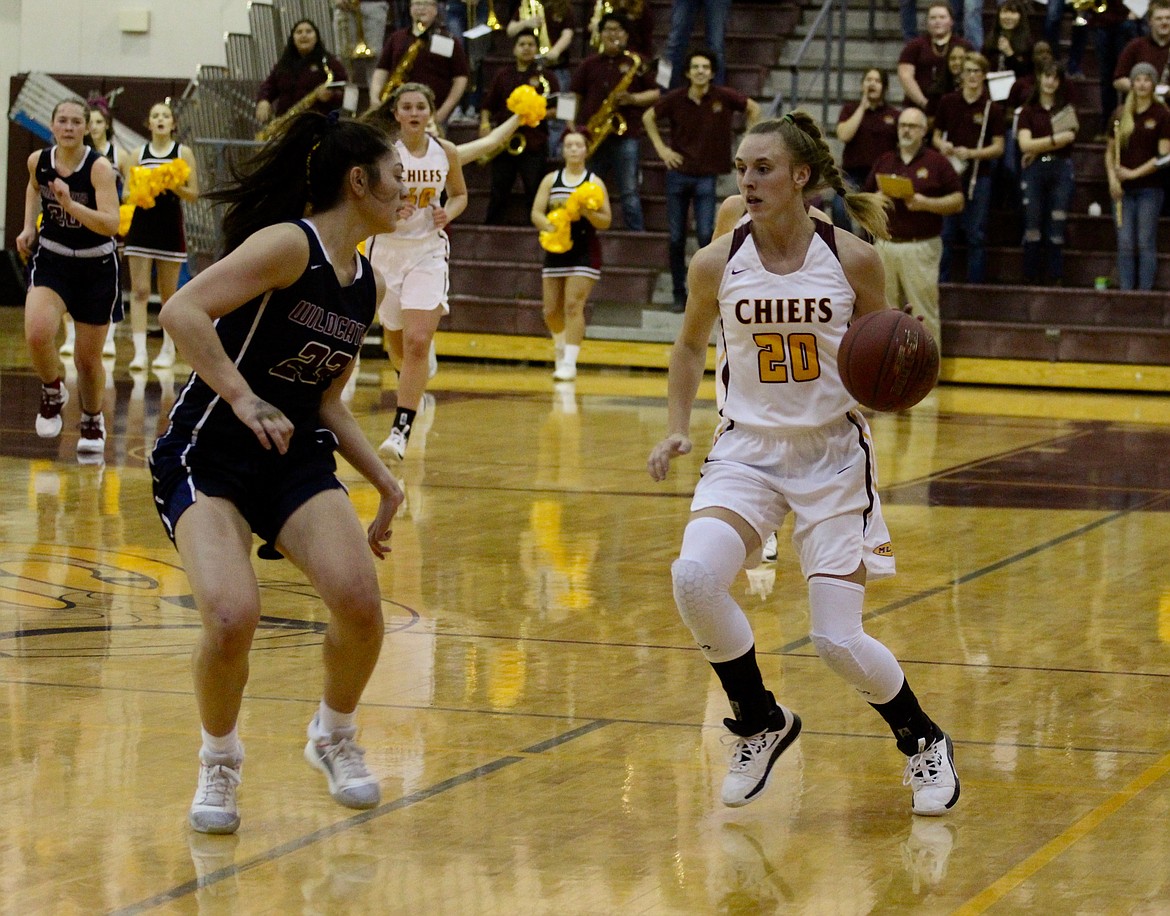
point(404, 420)
point(907, 721)
point(751, 703)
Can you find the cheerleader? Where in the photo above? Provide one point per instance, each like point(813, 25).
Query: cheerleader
point(74, 269)
point(568, 278)
point(156, 236)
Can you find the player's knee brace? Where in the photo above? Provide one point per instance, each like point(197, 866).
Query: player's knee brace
point(717, 623)
point(842, 644)
point(712, 554)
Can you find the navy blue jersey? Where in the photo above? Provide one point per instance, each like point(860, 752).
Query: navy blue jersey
point(289, 344)
point(57, 225)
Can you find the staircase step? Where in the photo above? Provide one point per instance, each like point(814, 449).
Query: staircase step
point(618, 248)
point(519, 280)
point(1112, 310)
point(1089, 344)
point(1081, 268)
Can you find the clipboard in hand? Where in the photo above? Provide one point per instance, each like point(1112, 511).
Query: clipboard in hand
point(895, 186)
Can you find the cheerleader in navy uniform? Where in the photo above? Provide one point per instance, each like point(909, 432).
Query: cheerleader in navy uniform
point(568, 278)
point(74, 270)
point(271, 331)
point(156, 236)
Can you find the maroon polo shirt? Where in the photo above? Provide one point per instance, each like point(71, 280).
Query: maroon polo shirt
point(1149, 127)
point(1021, 91)
point(504, 83)
point(1142, 50)
point(932, 176)
point(597, 76)
point(927, 62)
point(877, 134)
point(962, 122)
point(431, 70)
point(1038, 120)
point(701, 131)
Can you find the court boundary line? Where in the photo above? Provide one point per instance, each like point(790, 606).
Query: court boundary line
point(357, 820)
point(1059, 844)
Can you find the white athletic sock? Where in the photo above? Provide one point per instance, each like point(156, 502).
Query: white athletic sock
point(228, 745)
point(571, 351)
point(139, 338)
point(329, 720)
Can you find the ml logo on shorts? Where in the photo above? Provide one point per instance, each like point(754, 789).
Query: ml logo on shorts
point(885, 550)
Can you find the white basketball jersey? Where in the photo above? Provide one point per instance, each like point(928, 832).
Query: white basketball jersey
point(779, 336)
point(425, 178)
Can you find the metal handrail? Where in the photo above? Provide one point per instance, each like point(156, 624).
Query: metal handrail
point(824, 17)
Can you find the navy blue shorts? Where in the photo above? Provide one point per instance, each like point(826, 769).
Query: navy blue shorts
point(267, 489)
point(89, 287)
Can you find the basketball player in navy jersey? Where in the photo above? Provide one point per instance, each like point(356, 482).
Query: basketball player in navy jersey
point(271, 331)
point(783, 287)
point(74, 270)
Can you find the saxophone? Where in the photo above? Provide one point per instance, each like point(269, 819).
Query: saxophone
point(405, 64)
point(607, 119)
point(277, 125)
point(534, 9)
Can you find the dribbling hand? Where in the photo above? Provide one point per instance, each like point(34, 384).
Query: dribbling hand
point(269, 424)
point(664, 452)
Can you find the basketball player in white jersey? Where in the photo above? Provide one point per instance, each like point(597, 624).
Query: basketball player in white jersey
point(783, 288)
point(414, 258)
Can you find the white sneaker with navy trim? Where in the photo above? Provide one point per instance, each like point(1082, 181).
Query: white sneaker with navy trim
point(213, 810)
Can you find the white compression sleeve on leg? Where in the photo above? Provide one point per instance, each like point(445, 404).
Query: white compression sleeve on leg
point(836, 633)
point(712, 554)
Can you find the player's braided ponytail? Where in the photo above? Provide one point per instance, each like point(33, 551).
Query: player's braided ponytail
point(806, 145)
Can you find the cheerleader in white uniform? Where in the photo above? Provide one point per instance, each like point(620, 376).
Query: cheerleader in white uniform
point(156, 237)
point(414, 258)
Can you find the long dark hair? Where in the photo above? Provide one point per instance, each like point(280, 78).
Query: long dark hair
point(301, 171)
point(1060, 97)
point(290, 58)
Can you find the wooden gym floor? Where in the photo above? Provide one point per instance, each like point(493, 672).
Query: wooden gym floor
point(547, 735)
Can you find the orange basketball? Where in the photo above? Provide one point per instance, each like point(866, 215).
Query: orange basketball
point(888, 360)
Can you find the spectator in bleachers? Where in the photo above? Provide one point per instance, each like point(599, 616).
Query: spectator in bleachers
point(1009, 46)
point(1022, 88)
point(1047, 130)
point(441, 67)
point(300, 68)
point(947, 80)
point(868, 128)
point(923, 57)
point(969, 130)
point(912, 254)
point(639, 19)
point(558, 26)
point(700, 120)
point(682, 21)
point(1154, 49)
point(372, 15)
point(460, 16)
point(613, 79)
point(1110, 31)
point(1139, 133)
point(529, 162)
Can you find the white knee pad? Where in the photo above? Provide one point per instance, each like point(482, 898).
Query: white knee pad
point(712, 554)
point(836, 634)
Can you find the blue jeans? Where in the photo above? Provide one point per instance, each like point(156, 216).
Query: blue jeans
point(1048, 189)
point(476, 49)
point(680, 191)
point(682, 21)
point(1139, 232)
point(616, 163)
point(1107, 43)
point(972, 223)
point(909, 10)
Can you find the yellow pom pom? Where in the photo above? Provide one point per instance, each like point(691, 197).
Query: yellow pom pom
point(529, 104)
point(588, 195)
point(125, 217)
